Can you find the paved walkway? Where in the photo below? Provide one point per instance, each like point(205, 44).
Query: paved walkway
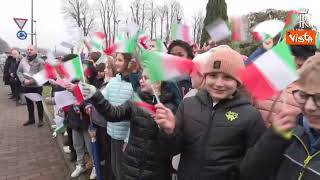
point(26, 152)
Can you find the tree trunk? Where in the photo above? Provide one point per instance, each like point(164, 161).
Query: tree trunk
point(167, 28)
point(137, 14)
point(143, 16)
point(155, 28)
point(194, 28)
point(78, 14)
point(114, 21)
point(84, 27)
point(161, 27)
point(151, 30)
point(103, 19)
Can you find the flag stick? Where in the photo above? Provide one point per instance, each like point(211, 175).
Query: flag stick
point(155, 94)
point(285, 98)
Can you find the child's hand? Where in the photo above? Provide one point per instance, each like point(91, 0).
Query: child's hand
point(88, 109)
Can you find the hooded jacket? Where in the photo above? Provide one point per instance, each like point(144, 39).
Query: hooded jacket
point(147, 155)
point(218, 142)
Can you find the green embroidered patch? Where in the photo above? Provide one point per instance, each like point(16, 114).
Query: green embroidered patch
point(231, 116)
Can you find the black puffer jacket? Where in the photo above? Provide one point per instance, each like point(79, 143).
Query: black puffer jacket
point(147, 155)
point(13, 69)
point(218, 143)
point(293, 159)
point(297, 162)
point(76, 118)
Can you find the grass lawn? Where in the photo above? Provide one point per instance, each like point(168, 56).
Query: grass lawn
point(47, 93)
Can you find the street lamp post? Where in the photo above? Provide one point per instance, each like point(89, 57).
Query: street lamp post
point(31, 22)
point(35, 33)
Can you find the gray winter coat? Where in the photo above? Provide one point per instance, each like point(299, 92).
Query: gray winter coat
point(30, 68)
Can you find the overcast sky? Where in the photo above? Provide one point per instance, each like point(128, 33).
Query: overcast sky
point(53, 29)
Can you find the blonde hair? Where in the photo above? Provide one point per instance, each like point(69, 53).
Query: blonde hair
point(110, 65)
point(310, 73)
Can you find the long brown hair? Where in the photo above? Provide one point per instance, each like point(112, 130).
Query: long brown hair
point(127, 58)
point(111, 66)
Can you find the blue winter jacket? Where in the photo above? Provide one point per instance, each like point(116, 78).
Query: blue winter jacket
point(117, 92)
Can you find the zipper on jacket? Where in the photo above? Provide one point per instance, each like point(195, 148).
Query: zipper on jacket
point(203, 146)
point(308, 159)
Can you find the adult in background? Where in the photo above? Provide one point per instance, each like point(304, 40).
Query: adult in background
point(6, 74)
point(31, 65)
point(14, 81)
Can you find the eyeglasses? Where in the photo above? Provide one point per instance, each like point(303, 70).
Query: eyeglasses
point(302, 97)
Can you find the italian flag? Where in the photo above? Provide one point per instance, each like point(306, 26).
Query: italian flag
point(142, 41)
point(60, 129)
point(138, 102)
point(98, 40)
point(160, 46)
point(239, 29)
point(181, 32)
point(60, 126)
point(270, 73)
point(71, 69)
point(218, 30)
point(50, 71)
point(162, 66)
point(77, 92)
point(260, 37)
point(291, 20)
point(123, 46)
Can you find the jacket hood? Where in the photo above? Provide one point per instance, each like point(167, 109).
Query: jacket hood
point(122, 77)
point(238, 99)
point(147, 97)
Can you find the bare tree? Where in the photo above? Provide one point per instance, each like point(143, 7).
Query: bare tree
point(135, 7)
point(80, 14)
point(142, 24)
point(162, 10)
point(173, 15)
point(105, 13)
point(152, 17)
point(167, 25)
point(138, 10)
point(199, 31)
point(197, 24)
point(109, 13)
point(116, 20)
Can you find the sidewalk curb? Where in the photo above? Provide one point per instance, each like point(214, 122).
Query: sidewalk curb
point(58, 139)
